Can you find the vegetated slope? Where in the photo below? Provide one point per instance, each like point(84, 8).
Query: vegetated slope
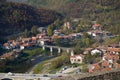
point(17, 0)
point(16, 16)
point(106, 12)
point(52, 4)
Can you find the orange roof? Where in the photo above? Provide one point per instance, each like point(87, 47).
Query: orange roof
point(96, 25)
point(13, 44)
point(57, 37)
point(105, 63)
point(10, 40)
point(107, 69)
point(117, 65)
point(5, 44)
point(88, 49)
point(26, 39)
point(7, 55)
point(97, 31)
point(73, 56)
point(114, 49)
point(25, 45)
point(111, 56)
point(96, 66)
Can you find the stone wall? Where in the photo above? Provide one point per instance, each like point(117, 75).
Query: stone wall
point(108, 75)
point(101, 75)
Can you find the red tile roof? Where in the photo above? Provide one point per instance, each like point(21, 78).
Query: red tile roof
point(105, 63)
point(107, 69)
point(7, 55)
point(96, 25)
point(34, 38)
point(10, 41)
point(96, 67)
point(74, 56)
point(114, 49)
point(109, 56)
point(26, 39)
point(5, 44)
point(25, 45)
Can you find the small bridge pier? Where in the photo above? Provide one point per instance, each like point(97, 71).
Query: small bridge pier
point(59, 49)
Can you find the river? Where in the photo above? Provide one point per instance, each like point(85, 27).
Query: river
point(37, 60)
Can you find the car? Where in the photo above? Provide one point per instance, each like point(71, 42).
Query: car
point(45, 75)
point(10, 74)
point(59, 75)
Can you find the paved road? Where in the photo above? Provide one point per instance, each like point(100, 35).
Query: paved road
point(18, 76)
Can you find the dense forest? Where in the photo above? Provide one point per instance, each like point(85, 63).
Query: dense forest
point(17, 17)
point(105, 12)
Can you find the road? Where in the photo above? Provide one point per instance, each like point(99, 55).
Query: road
point(18, 76)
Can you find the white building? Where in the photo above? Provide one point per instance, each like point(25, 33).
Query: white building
point(96, 51)
point(76, 58)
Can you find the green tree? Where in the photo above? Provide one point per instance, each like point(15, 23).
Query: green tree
point(86, 35)
point(79, 44)
point(87, 42)
point(88, 58)
point(26, 33)
point(50, 30)
point(34, 30)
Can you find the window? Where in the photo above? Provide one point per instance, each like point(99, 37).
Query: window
point(78, 60)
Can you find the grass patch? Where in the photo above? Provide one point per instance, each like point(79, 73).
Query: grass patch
point(34, 52)
point(53, 65)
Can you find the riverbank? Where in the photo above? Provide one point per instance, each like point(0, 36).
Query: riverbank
point(51, 65)
point(37, 60)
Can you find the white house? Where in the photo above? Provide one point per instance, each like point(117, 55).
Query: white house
point(95, 51)
point(76, 58)
point(97, 26)
point(67, 25)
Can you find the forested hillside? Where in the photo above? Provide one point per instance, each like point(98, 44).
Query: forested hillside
point(16, 17)
point(17, 1)
point(106, 12)
point(52, 4)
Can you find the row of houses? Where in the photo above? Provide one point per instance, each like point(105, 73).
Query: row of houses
point(11, 55)
point(97, 31)
point(109, 58)
point(41, 39)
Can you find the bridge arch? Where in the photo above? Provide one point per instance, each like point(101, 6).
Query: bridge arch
point(7, 79)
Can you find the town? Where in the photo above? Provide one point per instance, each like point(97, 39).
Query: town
point(92, 59)
point(59, 39)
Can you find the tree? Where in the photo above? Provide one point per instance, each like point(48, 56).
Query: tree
point(26, 33)
point(79, 44)
point(89, 58)
point(34, 30)
point(87, 42)
point(58, 23)
point(86, 35)
point(50, 30)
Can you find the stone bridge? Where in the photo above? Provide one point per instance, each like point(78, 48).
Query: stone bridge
point(68, 50)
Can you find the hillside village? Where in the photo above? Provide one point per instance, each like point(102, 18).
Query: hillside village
point(100, 58)
point(59, 39)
